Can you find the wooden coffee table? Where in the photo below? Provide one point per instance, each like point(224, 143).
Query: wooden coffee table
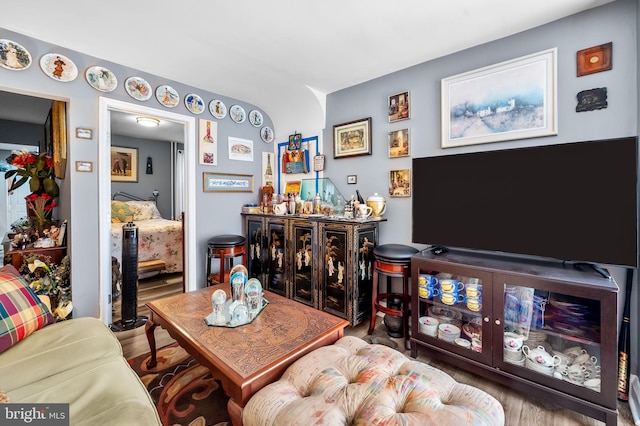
point(245, 358)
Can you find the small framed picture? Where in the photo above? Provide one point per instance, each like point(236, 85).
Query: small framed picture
point(399, 107)
point(400, 183)
point(295, 141)
point(227, 182)
point(594, 59)
point(352, 138)
point(398, 143)
point(352, 179)
point(318, 163)
point(124, 164)
point(84, 166)
point(84, 133)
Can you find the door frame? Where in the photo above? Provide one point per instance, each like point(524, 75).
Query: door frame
point(107, 105)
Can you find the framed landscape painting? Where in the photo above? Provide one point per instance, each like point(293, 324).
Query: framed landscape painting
point(511, 100)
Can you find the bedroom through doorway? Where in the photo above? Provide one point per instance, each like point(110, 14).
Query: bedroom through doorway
point(146, 170)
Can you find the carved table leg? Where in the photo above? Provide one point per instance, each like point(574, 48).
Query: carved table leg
point(149, 329)
point(235, 412)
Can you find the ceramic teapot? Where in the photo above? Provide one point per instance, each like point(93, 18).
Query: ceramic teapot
point(378, 205)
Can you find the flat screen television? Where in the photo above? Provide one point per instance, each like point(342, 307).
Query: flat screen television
point(572, 202)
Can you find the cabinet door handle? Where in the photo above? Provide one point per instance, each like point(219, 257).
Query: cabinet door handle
point(497, 322)
point(486, 319)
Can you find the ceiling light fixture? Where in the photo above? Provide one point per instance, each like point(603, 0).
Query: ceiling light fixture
point(148, 121)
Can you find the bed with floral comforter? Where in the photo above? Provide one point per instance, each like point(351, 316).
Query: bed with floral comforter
point(158, 238)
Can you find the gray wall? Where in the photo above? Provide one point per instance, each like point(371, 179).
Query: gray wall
point(616, 22)
point(160, 180)
point(216, 213)
point(18, 132)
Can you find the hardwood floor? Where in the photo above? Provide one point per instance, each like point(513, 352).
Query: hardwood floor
point(520, 409)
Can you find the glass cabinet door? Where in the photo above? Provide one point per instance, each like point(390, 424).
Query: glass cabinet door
point(454, 313)
point(552, 337)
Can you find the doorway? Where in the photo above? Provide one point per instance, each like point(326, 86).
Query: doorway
point(104, 186)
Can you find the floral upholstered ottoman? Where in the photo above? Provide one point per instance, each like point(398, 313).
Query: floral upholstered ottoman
point(354, 383)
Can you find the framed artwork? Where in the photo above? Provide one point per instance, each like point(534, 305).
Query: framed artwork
point(399, 107)
point(240, 149)
point(400, 183)
point(124, 164)
point(59, 137)
point(84, 133)
point(295, 141)
point(594, 59)
point(398, 143)
point(352, 139)
point(226, 182)
point(207, 142)
point(511, 100)
point(84, 166)
point(268, 168)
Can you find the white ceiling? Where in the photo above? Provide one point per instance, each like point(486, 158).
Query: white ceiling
point(283, 56)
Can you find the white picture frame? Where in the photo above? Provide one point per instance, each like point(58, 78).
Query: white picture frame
point(515, 99)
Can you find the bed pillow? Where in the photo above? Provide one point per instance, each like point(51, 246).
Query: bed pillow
point(21, 311)
point(121, 212)
point(144, 210)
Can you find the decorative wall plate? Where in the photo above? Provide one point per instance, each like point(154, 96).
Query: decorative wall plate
point(266, 134)
point(138, 88)
point(58, 67)
point(194, 103)
point(218, 109)
point(167, 96)
point(255, 118)
point(237, 114)
point(101, 79)
point(13, 56)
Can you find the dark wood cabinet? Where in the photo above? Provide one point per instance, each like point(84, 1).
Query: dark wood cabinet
point(546, 304)
point(267, 251)
point(317, 261)
point(304, 270)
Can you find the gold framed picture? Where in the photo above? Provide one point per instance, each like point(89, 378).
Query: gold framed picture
point(399, 107)
point(400, 183)
point(124, 164)
point(398, 143)
point(352, 139)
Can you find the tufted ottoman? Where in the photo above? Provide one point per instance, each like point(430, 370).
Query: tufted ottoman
point(355, 383)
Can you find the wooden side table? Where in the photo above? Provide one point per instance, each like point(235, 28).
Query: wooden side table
point(14, 257)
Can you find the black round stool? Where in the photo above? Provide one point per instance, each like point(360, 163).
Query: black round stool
point(224, 247)
point(392, 261)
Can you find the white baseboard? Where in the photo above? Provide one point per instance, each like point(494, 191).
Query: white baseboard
point(634, 398)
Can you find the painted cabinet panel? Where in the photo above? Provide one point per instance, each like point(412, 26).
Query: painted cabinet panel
point(324, 263)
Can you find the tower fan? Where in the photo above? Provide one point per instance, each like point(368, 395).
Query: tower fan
point(129, 318)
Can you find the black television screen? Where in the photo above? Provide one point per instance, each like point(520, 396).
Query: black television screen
point(572, 202)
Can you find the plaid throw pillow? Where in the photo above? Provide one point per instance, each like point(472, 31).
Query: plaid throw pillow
point(21, 311)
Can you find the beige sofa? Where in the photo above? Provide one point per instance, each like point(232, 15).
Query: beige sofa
point(79, 362)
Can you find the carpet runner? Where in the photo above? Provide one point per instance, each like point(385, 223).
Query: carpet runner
point(185, 393)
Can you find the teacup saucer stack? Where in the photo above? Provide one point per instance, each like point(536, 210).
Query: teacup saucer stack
point(514, 356)
point(448, 332)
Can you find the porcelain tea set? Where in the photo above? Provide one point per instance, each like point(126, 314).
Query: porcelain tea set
point(574, 365)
